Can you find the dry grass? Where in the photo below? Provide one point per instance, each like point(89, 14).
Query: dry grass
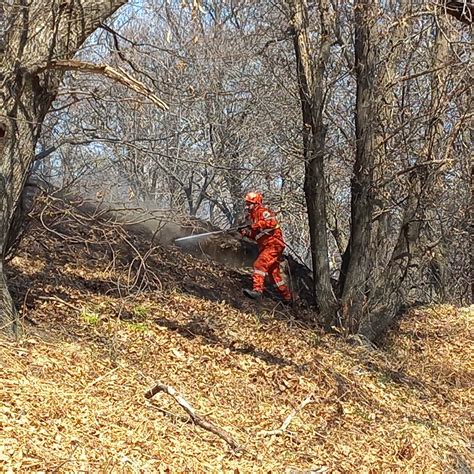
point(72, 390)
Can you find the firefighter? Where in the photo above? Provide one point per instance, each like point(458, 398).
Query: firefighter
point(264, 229)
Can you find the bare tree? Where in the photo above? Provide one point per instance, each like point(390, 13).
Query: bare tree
point(399, 155)
point(311, 78)
point(38, 35)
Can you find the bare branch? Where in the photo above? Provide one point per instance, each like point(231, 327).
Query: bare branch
point(289, 418)
point(118, 75)
point(461, 10)
point(203, 423)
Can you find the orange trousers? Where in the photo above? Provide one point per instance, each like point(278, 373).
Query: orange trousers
point(268, 263)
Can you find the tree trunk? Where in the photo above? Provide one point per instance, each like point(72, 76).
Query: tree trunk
point(43, 31)
point(8, 316)
point(389, 292)
point(355, 266)
point(312, 97)
point(389, 295)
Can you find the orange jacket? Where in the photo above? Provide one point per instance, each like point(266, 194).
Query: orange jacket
point(264, 228)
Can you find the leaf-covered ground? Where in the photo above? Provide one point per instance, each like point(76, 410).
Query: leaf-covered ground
point(100, 331)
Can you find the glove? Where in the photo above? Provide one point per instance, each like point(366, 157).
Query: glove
point(245, 232)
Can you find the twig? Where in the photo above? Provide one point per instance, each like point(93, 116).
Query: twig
point(203, 423)
point(289, 418)
point(23, 307)
point(98, 379)
point(59, 300)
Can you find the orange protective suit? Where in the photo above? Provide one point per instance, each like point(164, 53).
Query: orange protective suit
point(265, 230)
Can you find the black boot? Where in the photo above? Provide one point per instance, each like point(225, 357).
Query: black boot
point(255, 295)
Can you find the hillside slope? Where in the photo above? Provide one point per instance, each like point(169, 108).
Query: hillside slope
point(100, 331)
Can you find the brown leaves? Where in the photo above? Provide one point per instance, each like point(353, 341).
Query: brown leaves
point(71, 393)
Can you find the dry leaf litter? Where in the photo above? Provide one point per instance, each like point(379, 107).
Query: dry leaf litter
point(99, 330)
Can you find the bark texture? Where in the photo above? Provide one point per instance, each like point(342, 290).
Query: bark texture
point(356, 264)
point(310, 73)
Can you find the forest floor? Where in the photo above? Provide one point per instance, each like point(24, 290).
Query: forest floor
point(106, 316)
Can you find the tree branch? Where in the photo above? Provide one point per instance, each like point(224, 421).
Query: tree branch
point(289, 418)
point(462, 10)
point(118, 75)
point(45, 153)
point(203, 423)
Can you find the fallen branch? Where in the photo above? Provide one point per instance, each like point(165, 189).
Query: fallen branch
point(59, 300)
point(288, 419)
point(199, 420)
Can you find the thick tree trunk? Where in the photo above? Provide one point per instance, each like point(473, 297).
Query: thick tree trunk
point(389, 292)
point(356, 265)
point(42, 31)
point(389, 295)
point(17, 150)
point(312, 96)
